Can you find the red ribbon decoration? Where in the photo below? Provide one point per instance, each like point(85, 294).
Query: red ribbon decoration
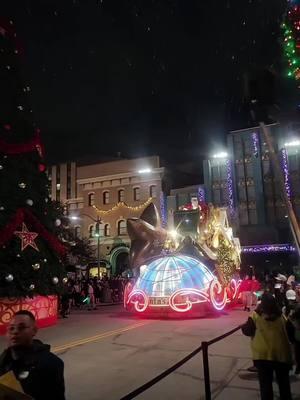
point(24, 215)
point(18, 148)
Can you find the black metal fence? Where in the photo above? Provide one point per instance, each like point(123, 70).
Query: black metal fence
point(204, 348)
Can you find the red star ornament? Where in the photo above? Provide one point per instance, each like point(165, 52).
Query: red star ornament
point(27, 238)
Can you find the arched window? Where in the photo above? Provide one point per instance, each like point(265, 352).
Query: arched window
point(91, 231)
point(136, 194)
point(106, 197)
point(77, 232)
point(122, 230)
point(106, 230)
point(91, 199)
point(121, 195)
point(152, 191)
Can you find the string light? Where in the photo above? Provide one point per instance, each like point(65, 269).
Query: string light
point(269, 248)
point(285, 168)
point(291, 43)
point(255, 141)
point(122, 204)
point(201, 194)
point(230, 187)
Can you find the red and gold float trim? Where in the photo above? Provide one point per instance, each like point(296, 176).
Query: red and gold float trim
point(43, 308)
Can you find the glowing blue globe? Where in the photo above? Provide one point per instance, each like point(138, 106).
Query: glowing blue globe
point(165, 275)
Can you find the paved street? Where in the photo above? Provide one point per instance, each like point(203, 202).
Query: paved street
point(108, 353)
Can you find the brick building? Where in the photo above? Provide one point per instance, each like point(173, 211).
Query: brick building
point(113, 191)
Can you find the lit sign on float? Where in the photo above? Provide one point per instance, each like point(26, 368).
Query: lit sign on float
point(178, 283)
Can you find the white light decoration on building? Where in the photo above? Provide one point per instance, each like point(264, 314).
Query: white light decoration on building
point(292, 143)
point(222, 154)
point(145, 171)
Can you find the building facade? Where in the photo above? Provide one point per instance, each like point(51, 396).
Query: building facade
point(111, 192)
point(244, 180)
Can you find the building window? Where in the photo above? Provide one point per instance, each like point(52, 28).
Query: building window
point(122, 230)
point(136, 194)
point(91, 231)
point(58, 173)
point(106, 230)
point(77, 232)
point(152, 191)
point(106, 197)
point(91, 199)
point(121, 195)
point(101, 230)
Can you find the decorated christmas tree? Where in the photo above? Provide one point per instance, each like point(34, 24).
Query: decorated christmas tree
point(30, 253)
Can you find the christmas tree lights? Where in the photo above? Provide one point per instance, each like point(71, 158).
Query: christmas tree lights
point(291, 34)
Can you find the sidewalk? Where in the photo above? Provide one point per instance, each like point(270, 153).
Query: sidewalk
point(234, 356)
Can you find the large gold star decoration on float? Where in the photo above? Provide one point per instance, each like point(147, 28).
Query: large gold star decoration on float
point(27, 238)
point(147, 236)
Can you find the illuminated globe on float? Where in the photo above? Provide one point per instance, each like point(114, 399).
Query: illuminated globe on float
point(177, 283)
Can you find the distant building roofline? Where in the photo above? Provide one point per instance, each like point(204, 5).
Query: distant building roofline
point(94, 160)
point(252, 127)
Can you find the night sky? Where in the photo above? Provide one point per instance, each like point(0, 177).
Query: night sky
point(143, 77)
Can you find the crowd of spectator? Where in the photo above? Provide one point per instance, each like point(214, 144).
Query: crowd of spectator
point(88, 293)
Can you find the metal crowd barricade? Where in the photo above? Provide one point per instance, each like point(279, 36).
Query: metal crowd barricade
point(204, 347)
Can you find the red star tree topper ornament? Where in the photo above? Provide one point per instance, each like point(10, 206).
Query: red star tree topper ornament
point(27, 238)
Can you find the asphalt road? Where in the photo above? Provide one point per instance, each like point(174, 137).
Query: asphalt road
point(108, 353)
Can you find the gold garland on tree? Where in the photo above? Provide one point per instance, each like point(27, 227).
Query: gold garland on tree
point(122, 204)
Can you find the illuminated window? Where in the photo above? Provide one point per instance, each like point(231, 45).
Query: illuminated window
point(136, 194)
point(101, 230)
point(106, 197)
point(106, 230)
point(121, 195)
point(91, 199)
point(122, 230)
point(152, 191)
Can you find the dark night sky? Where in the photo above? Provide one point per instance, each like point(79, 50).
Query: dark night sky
point(141, 77)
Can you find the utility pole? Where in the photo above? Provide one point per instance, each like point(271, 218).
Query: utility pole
point(97, 234)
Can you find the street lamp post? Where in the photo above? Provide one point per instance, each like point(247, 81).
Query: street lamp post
point(97, 234)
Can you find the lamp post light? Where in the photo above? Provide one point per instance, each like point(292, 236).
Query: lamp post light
point(97, 235)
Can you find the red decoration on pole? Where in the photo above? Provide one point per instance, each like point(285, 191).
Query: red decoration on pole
point(42, 167)
point(16, 148)
point(27, 238)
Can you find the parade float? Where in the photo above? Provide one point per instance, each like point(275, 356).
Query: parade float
point(179, 273)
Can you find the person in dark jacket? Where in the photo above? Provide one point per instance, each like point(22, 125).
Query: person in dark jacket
point(270, 347)
point(40, 372)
